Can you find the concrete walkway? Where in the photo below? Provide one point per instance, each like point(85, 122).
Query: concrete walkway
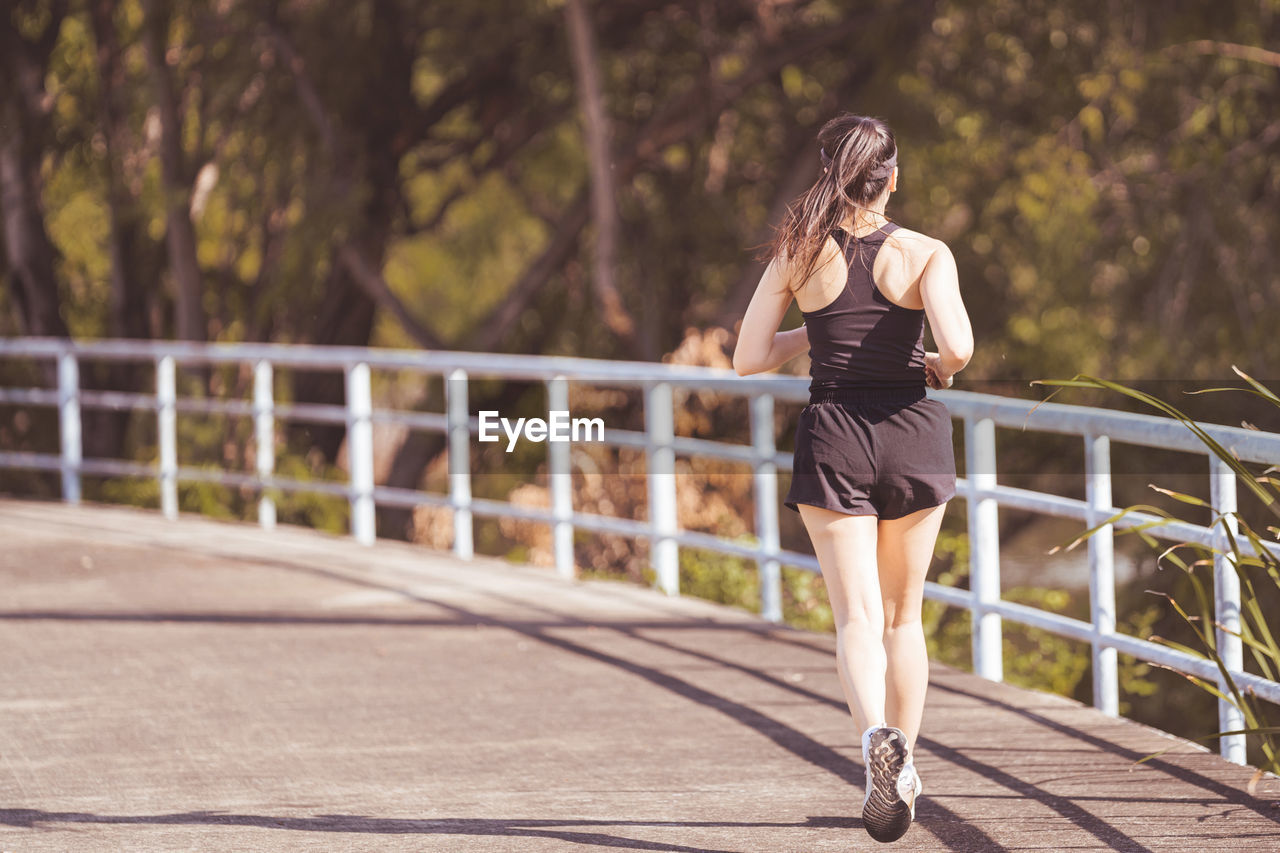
point(207, 686)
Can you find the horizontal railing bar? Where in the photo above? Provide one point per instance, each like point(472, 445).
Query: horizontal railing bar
point(629, 527)
point(321, 413)
point(1048, 504)
point(326, 487)
point(316, 412)
point(252, 481)
point(96, 467)
point(948, 595)
point(1129, 427)
point(587, 521)
point(407, 498)
point(24, 461)
point(28, 396)
point(506, 509)
point(116, 400)
point(1056, 623)
point(127, 468)
point(522, 367)
point(1202, 667)
point(711, 542)
point(686, 446)
point(295, 411)
point(607, 524)
point(117, 468)
point(218, 407)
point(1075, 629)
point(614, 437)
point(1148, 430)
point(219, 477)
point(436, 421)
point(808, 562)
point(1041, 502)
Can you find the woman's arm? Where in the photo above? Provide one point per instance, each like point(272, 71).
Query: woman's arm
point(787, 345)
point(760, 345)
point(948, 320)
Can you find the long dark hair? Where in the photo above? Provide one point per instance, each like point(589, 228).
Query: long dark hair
point(858, 153)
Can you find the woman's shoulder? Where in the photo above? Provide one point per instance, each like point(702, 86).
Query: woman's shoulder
point(915, 243)
point(911, 252)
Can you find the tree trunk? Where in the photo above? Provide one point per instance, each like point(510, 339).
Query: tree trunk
point(28, 250)
point(128, 247)
point(604, 209)
point(23, 113)
point(126, 234)
point(180, 234)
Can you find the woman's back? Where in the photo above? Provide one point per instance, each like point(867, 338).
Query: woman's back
point(863, 309)
point(897, 268)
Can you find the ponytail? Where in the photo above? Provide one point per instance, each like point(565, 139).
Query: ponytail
point(858, 155)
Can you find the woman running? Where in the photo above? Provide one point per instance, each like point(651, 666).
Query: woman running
point(874, 466)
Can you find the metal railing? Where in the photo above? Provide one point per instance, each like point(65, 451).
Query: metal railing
point(980, 413)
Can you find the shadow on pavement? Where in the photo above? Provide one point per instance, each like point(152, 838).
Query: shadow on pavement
point(561, 830)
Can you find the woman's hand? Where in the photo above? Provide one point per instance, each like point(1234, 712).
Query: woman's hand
point(932, 377)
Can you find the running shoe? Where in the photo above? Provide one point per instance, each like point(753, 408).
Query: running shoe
point(909, 786)
point(892, 785)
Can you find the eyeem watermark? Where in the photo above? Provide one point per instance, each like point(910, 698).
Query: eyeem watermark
point(558, 427)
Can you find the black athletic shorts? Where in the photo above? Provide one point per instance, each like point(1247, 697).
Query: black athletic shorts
point(883, 452)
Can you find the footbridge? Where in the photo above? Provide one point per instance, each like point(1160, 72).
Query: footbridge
point(179, 683)
point(201, 685)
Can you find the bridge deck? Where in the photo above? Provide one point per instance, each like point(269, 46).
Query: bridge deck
point(206, 686)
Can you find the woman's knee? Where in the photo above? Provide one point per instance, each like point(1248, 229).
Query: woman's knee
point(902, 620)
point(861, 617)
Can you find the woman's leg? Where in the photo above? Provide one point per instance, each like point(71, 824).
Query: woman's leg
point(846, 549)
point(905, 550)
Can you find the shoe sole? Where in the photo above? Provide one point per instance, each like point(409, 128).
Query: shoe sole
point(885, 815)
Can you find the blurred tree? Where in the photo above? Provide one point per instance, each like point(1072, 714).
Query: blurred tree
point(407, 174)
point(28, 33)
point(1077, 154)
point(177, 174)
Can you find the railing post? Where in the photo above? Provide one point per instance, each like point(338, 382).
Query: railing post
point(264, 427)
point(663, 521)
point(1226, 604)
point(561, 482)
point(984, 546)
point(1102, 578)
point(69, 425)
point(766, 499)
point(459, 423)
point(167, 433)
point(360, 452)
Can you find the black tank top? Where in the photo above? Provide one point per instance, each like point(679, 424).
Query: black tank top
point(861, 339)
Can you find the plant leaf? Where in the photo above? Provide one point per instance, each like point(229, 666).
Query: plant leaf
point(1179, 496)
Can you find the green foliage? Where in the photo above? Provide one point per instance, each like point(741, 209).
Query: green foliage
point(947, 630)
point(1070, 151)
point(1039, 659)
point(322, 512)
point(722, 578)
point(1136, 677)
point(804, 601)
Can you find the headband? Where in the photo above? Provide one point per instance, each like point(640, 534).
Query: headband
point(880, 172)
